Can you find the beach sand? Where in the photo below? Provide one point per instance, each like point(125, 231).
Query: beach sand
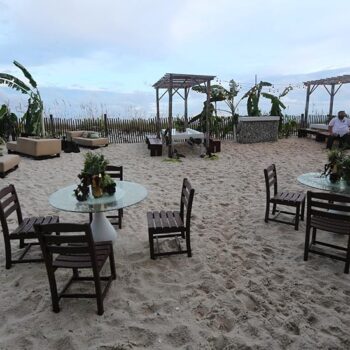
point(246, 286)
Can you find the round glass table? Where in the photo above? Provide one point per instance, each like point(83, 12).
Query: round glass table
point(322, 182)
point(126, 194)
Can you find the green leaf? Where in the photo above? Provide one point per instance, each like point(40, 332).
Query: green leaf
point(14, 83)
point(26, 74)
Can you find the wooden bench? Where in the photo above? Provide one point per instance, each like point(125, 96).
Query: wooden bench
point(321, 135)
point(155, 146)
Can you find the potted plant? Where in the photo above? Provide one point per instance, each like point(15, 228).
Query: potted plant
point(334, 167)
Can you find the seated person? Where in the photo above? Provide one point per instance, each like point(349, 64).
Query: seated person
point(339, 130)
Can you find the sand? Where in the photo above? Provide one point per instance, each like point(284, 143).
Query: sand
point(246, 286)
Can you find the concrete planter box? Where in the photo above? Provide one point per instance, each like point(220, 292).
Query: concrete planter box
point(257, 129)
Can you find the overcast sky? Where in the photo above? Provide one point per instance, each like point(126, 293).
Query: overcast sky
point(110, 52)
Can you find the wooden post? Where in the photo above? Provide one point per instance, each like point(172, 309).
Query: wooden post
point(331, 101)
point(105, 124)
point(52, 126)
point(170, 117)
point(158, 114)
point(186, 107)
point(207, 113)
point(307, 105)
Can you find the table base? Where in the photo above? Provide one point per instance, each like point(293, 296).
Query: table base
point(102, 229)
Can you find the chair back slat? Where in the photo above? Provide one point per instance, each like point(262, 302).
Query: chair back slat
point(328, 205)
point(270, 174)
point(187, 195)
point(68, 242)
point(8, 204)
point(115, 172)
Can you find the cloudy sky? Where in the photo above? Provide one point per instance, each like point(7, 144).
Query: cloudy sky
point(90, 56)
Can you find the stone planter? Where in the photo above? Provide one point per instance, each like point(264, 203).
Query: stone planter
point(257, 129)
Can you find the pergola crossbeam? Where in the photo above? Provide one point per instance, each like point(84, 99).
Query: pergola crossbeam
point(332, 82)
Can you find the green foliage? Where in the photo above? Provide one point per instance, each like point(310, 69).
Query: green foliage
point(8, 122)
point(253, 96)
point(276, 103)
point(32, 118)
point(94, 163)
point(179, 124)
point(2, 142)
point(346, 169)
point(287, 127)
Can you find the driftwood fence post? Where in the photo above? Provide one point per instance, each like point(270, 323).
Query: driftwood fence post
point(52, 125)
point(105, 124)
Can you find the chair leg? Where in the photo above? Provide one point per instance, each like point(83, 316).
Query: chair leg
point(53, 289)
point(307, 242)
point(151, 245)
point(347, 263)
point(267, 211)
point(75, 273)
point(21, 243)
point(274, 207)
point(297, 215)
point(302, 211)
point(112, 264)
point(313, 238)
point(90, 218)
point(8, 253)
point(99, 299)
point(120, 216)
point(188, 244)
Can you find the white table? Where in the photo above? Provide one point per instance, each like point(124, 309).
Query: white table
point(183, 136)
point(127, 193)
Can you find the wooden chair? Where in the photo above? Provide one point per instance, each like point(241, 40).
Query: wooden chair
point(24, 233)
point(327, 212)
point(115, 172)
point(292, 199)
point(75, 251)
point(163, 224)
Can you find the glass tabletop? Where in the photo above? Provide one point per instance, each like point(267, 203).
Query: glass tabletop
point(322, 182)
point(126, 194)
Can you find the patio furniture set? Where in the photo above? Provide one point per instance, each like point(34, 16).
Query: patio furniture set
point(88, 246)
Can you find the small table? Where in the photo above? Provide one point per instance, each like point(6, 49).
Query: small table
point(127, 193)
point(322, 182)
point(178, 136)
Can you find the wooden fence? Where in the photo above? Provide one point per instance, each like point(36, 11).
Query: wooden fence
point(134, 130)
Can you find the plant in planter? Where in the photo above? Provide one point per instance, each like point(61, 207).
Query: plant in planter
point(108, 184)
point(94, 164)
point(334, 168)
point(179, 124)
point(8, 123)
point(33, 117)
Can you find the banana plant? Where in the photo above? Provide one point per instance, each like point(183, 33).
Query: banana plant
point(276, 104)
point(33, 117)
point(253, 96)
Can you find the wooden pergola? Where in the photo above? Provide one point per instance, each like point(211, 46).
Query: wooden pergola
point(330, 85)
point(173, 83)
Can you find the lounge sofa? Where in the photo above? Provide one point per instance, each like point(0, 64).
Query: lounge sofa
point(8, 162)
point(36, 148)
point(87, 138)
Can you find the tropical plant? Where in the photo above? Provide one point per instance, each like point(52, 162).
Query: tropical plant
point(8, 122)
point(94, 163)
point(33, 117)
point(2, 142)
point(287, 127)
point(253, 96)
point(334, 167)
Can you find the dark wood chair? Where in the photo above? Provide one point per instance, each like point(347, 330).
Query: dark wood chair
point(327, 212)
point(115, 172)
point(75, 249)
point(164, 224)
point(292, 199)
point(24, 233)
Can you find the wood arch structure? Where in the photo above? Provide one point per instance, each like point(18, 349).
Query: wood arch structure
point(332, 85)
point(173, 83)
